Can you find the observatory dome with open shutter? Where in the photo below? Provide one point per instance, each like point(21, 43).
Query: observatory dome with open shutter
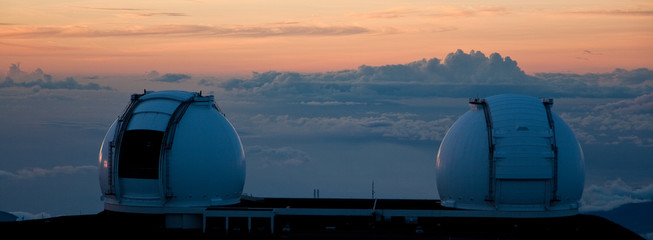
point(171, 150)
point(510, 153)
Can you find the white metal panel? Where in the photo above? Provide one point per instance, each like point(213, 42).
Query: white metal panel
point(149, 121)
point(207, 161)
point(157, 105)
point(523, 194)
point(462, 167)
point(522, 137)
point(169, 94)
point(153, 113)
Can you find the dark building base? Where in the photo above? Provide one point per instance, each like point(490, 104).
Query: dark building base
point(126, 225)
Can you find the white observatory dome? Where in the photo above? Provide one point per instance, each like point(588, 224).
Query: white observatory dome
point(510, 153)
point(171, 150)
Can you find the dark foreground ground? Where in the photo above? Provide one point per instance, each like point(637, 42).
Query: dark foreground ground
point(130, 226)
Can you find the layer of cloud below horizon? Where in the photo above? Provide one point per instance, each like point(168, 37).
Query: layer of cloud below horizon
point(627, 120)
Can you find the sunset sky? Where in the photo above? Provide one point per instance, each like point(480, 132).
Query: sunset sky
point(238, 37)
point(330, 95)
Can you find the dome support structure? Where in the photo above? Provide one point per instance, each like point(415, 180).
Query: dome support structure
point(114, 146)
point(548, 102)
point(168, 138)
point(488, 123)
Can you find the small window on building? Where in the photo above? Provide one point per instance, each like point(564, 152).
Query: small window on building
point(139, 154)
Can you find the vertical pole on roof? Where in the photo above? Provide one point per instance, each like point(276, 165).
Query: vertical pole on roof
point(226, 224)
point(272, 223)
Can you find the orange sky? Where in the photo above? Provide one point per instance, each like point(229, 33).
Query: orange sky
point(218, 37)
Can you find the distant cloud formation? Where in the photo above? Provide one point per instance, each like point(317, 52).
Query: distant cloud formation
point(77, 125)
point(629, 120)
point(69, 83)
point(388, 13)
point(613, 194)
point(401, 126)
point(460, 74)
point(144, 12)
point(432, 77)
point(153, 14)
point(182, 30)
point(205, 82)
point(38, 79)
point(620, 81)
point(331, 103)
point(433, 11)
point(284, 156)
point(170, 77)
point(640, 104)
point(617, 12)
point(43, 172)
point(113, 9)
point(152, 75)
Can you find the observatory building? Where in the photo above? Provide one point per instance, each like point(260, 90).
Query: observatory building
point(174, 153)
point(509, 168)
point(171, 153)
point(510, 153)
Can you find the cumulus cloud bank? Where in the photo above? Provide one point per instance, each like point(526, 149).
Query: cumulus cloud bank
point(614, 194)
point(460, 74)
